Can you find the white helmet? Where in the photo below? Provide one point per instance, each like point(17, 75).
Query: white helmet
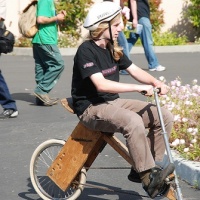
point(101, 12)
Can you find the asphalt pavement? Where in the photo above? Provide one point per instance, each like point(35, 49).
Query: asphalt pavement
point(19, 137)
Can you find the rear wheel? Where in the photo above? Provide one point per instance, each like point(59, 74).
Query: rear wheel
point(41, 160)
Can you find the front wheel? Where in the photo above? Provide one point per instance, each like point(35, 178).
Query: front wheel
point(41, 160)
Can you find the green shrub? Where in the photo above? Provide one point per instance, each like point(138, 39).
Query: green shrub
point(76, 12)
point(193, 12)
point(164, 39)
point(23, 42)
point(156, 14)
point(168, 38)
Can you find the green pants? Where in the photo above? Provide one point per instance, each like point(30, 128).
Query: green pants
point(48, 67)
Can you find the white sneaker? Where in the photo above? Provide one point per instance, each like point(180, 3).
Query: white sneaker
point(159, 68)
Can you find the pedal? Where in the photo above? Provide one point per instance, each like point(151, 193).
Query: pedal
point(170, 178)
point(169, 187)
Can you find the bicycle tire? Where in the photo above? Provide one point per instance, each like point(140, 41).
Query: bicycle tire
point(41, 159)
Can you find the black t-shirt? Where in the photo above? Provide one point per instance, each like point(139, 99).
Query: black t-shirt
point(91, 59)
point(143, 9)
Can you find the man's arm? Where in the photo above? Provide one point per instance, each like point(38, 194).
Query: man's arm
point(133, 7)
point(147, 80)
point(46, 20)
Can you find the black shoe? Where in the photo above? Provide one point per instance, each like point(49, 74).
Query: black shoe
point(157, 180)
point(8, 113)
point(134, 176)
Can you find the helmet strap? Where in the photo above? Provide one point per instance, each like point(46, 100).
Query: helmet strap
point(110, 31)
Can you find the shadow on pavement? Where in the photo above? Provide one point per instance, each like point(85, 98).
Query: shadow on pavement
point(24, 97)
point(89, 193)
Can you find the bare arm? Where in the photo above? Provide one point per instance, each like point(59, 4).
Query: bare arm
point(148, 82)
point(46, 20)
point(133, 5)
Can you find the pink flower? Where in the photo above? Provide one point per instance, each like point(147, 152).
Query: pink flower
point(182, 141)
point(194, 141)
point(189, 130)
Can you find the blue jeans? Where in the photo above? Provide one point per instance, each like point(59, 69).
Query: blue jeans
point(122, 41)
point(147, 42)
point(6, 100)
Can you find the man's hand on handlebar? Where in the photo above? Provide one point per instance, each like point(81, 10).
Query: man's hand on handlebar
point(163, 89)
point(147, 90)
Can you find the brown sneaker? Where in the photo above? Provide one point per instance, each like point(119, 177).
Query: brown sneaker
point(45, 99)
point(39, 102)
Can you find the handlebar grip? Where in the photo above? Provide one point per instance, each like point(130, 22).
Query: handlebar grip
point(143, 92)
point(158, 90)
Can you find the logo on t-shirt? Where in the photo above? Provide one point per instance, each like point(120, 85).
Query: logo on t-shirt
point(109, 71)
point(86, 65)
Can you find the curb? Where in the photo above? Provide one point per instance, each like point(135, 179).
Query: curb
point(188, 171)
point(19, 51)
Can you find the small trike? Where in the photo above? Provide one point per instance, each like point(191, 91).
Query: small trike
point(58, 168)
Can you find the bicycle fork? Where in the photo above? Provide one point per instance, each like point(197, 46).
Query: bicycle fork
point(178, 189)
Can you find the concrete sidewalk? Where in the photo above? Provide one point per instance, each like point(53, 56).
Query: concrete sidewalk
point(135, 50)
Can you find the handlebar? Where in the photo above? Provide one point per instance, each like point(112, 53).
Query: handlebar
point(144, 92)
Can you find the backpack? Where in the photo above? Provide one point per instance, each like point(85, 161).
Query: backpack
point(7, 41)
point(27, 21)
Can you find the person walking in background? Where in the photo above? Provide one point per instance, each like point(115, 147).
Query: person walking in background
point(48, 60)
point(122, 38)
point(7, 102)
point(140, 14)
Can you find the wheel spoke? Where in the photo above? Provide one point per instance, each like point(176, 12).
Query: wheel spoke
point(44, 186)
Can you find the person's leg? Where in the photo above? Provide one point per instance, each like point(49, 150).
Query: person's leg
point(147, 42)
point(132, 39)
point(122, 41)
point(49, 66)
point(131, 117)
point(6, 101)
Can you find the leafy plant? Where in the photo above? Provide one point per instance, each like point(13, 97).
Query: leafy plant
point(164, 39)
point(23, 42)
point(168, 38)
point(156, 15)
point(76, 12)
point(184, 102)
point(193, 12)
